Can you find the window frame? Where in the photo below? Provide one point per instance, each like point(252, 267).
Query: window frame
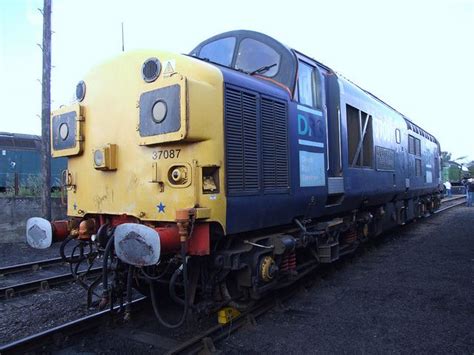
point(237, 49)
point(358, 118)
point(236, 42)
point(316, 85)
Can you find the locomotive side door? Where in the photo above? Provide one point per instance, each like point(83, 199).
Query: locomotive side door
point(311, 126)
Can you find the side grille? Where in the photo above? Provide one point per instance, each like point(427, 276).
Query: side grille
point(274, 144)
point(256, 142)
point(241, 138)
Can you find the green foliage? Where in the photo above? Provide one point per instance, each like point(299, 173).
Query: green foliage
point(28, 186)
point(445, 156)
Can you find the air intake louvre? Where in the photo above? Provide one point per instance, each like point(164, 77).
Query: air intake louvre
point(241, 138)
point(274, 144)
point(255, 127)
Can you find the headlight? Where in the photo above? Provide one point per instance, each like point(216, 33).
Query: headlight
point(159, 111)
point(63, 131)
point(105, 158)
point(98, 157)
point(66, 131)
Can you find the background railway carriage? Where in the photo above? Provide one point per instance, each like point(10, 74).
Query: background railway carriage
point(231, 171)
point(20, 162)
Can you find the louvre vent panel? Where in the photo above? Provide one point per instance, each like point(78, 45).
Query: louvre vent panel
point(256, 142)
point(274, 144)
point(241, 139)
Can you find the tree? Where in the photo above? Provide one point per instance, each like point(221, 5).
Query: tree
point(470, 167)
point(445, 156)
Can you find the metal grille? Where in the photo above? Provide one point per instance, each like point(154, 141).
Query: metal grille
point(255, 127)
point(241, 111)
point(274, 144)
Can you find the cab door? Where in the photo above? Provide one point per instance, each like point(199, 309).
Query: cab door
point(311, 126)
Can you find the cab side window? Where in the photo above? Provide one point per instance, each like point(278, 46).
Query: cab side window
point(309, 85)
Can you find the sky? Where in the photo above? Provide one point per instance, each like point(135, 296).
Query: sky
point(416, 55)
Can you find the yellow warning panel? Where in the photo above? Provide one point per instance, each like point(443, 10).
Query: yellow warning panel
point(227, 315)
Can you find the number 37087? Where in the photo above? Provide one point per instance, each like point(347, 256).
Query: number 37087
point(165, 154)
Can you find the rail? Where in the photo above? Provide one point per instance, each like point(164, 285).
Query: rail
point(31, 266)
point(42, 284)
point(63, 331)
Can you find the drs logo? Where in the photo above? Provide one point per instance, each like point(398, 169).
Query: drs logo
point(310, 126)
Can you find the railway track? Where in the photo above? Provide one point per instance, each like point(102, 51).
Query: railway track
point(64, 331)
point(32, 266)
point(41, 284)
point(451, 202)
point(202, 342)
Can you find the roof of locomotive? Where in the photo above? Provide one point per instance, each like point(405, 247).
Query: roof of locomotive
point(288, 69)
point(284, 71)
point(19, 141)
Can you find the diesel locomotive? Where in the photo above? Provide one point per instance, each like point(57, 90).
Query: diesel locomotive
point(20, 162)
point(228, 172)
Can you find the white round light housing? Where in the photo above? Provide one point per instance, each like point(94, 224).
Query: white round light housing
point(159, 111)
point(63, 131)
point(98, 157)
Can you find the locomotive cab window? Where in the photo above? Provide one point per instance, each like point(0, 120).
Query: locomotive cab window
point(219, 51)
point(254, 56)
point(309, 85)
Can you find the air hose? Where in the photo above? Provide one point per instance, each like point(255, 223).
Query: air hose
point(129, 292)
point(186, 295)
point(105, 281)
point(172, 286)
point(71, 259)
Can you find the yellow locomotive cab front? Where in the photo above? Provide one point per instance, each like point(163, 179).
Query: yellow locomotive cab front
point(145, 139)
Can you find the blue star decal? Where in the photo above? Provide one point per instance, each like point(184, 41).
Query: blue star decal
point(161, 208)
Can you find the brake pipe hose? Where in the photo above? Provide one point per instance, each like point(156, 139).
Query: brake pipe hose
point(186, 295)
point(105, 281)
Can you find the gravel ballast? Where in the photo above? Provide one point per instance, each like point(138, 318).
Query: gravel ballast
point(411, 293)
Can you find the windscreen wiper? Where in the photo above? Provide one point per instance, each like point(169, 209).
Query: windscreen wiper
point(263, 69)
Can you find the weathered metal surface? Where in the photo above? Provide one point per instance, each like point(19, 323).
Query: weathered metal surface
point(137, 244)
point(39, 234)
